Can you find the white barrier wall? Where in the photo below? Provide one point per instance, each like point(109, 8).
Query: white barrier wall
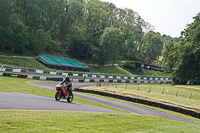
point(30, 77)
point(87, 80)
point(102, 76)
point(17, 70)
point(96, 80)
point(42, 78)
point(2, 69)
point(110, 77)
point(75, 74)
point(75, 80)
point(39, 71)
point(53, 73)
point(94, 76)
point(65, 74)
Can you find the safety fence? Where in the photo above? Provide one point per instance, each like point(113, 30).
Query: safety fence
point(36, 77)
point(100, 77)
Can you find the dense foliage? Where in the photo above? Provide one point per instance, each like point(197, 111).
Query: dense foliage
point(129, 66)
point(183, 58)
point(85, 29)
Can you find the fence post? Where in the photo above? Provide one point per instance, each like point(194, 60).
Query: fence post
point(191, 96)
point(163, 91)
point(176, 93)
point(126, 86)
point(138, 87)
point(149, 89)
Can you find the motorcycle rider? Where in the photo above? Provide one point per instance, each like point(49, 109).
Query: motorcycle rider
point(67, 82)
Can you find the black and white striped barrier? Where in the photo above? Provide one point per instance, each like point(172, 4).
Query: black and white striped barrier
point(100, 76)
point(82, 80)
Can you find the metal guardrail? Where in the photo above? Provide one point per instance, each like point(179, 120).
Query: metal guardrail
point(97, 76)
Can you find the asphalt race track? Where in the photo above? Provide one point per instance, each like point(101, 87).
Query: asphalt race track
point(16, 101)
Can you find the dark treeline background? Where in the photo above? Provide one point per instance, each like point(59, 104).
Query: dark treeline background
point(84, 29)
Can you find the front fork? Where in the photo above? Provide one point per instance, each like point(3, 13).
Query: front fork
point(59, 92)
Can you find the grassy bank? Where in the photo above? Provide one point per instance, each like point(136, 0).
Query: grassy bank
point(32, 63)
point(151, 72)
point(109, 69)
point(147, 106)
point(171, 95)
point(76, 122)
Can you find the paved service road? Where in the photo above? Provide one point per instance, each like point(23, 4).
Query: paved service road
point(124, 106)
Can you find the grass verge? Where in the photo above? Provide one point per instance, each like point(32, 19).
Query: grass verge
point(76, 122)
point(147, 106)
point(166, 94)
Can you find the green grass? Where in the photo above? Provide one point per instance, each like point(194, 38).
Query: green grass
point(151, 72)
point(147, 106)
point(18, 85)
point(119, 70)
point(168, 97)
point(33, 63)
point(66, 121)
point(109, 69)
point(86, 122)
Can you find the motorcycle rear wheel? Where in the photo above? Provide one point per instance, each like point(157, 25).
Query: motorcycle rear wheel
point(70, 97)
point(57, 96)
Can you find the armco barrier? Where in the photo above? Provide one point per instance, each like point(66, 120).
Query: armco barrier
point(81, 80)
point(14, 75)
point(31, 77)
point(146, 102)
point(85, 75)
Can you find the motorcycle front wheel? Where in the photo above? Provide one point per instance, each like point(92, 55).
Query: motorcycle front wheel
point(57, 96)
point(70, 97)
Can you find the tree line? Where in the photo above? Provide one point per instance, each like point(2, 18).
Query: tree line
point(85, 29)
point(183, 58)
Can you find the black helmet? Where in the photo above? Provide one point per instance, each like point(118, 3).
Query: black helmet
point(67, 78)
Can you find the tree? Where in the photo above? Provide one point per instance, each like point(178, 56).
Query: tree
point(168, 55)
point(110, 44)
point(153, 46)
point(77, 44)
point(77, 27)
point(41, 41)
point(187, 52)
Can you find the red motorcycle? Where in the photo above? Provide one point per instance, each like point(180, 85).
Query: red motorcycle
point(63, 92)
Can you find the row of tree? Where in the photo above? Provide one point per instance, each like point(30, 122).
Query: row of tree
point(85, 29)
point(183, 58)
